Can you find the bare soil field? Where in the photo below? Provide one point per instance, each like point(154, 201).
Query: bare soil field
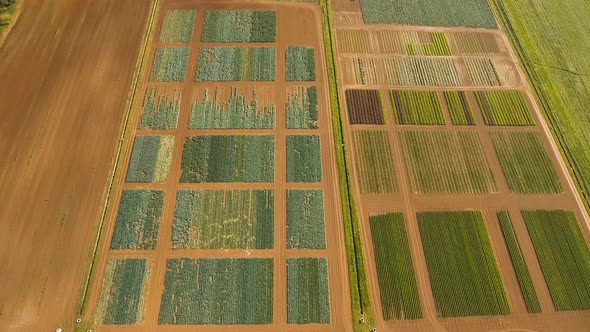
point(296, 24)
point(65, 72)
point(364, 70)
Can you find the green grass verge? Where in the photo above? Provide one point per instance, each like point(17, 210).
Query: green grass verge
point(526, 166)
point(304, 158)
point(305, 219)
point(223, 219)
point(520, 268)
point(395, 272)
point(138, 220)
point(308, 294)
point(463, 273)
point(231, 158)
point(217, 291)
point(563, 255)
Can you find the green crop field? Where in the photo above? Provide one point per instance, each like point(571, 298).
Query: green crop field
point(526, 166)
point(300, 63)
point(177, 26)
point(482, 72)
point(374, 162)
point(563, 255)
point(395, 272)
point(504, 108)
point(459, 108)
point(463, 274)
point(150, 159)
point(417, 107)
point(122, 300)
point(466, 13)
point(170, 64)
point(446, 162)
point(304, 158)
point(418, 71)
point(412, 42)
point(247, 26)
point(138, 220)
point(235, 158)
point(160, 109)
point(223, 219)
point(305, 219)
point(217, 291)
point(302, 108)
point(236, 64)
point(522, 272)
point(308, 294)
point(212, 112)
point(555, 54)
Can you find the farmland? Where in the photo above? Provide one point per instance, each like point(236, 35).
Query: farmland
point(473, 43)
point(417, 107)
point(525, 163)
point(504, 108)
point(222, 219)
point(160, 108)
point(462, 269)
point(305, 219)
point(397, 282)
point(304, 160)
point(364, 107)
point(374, 162)
point(150, 159)
point(228, 159)
point(421, 71)
point(300, 63)
point(446, 162)
point(177, 26)
point(460, 109)
point(227, 291)
point(236, 64)
point(308, 298)
point(170, 64)
point(250, 26)
point(302, 108)
point(563, 255)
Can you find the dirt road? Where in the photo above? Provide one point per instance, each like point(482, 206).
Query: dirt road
point(65, 72)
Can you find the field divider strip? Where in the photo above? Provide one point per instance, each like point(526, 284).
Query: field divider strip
point(139, 70)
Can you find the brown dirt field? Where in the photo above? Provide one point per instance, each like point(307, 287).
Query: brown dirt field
point(290, 20)
point(409, 203)
point(65, 72)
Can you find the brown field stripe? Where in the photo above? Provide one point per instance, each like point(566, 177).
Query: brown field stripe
point(465, 107)
point(486, 107)
point(398, 107)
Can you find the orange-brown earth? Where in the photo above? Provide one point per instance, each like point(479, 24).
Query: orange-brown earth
point(65, 71)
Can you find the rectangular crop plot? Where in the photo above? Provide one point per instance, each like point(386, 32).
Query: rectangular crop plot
point(232, 108)
point(374, 162)
point(217, 291)
point(223, 219)
point(239, 26)
point(395, 272)
point(302, 107)
point(236, 64)
point(522, 272)
point(300, 63)
point(563, 255)
point(232, 158)
point(463, 273)
point(365, 71)
point(416, 71)
point(364, 107)
point(482, 72)
point(304, 158)
point(417, 107)
point(122, 300)
point(526, 166)
point(138, 220)
point(504, 108)
point(305, 219)
point(170, 64)
point(459, 108)
point(447, 13)
point(308, 294)
point(161, 106)
point(413, 42)
point(353, 41)
point(476, 43)
point(177, 26)
point(150, 159)
point(446, 163)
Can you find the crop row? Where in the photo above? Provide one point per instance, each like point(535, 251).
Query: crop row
point(236, 64)
point(161, 106)
point(239, 26)
point(417, 107)
point(304, 158)
point(395, 272)
point(302, 107)
point(563, 255)
point(150, 159)
point(216, 110)
point(482, 72)
point(300, 62)
point(463, 273)
point(374, 162)
point(416, 71)
point(308, 295)
point(459, 108)
point(504, 108)
point(364, 107)
point(476, 43)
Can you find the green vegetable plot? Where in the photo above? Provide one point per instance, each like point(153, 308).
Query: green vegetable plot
point(236, 64)
point(170, 64)
point(138, 220)
point(150, 159)
point(308, 294)
point(305, 219)
point(300, 63)
point(239, 26)
point(304, 159)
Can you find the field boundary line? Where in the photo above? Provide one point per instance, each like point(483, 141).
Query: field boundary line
point(123, 137)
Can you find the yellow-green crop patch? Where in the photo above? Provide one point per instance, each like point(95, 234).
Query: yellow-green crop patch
point(177, 26)
point(170, 64)
point(236, 64)
point(150, 159)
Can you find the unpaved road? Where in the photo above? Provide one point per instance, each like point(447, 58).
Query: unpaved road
point(65, 72)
